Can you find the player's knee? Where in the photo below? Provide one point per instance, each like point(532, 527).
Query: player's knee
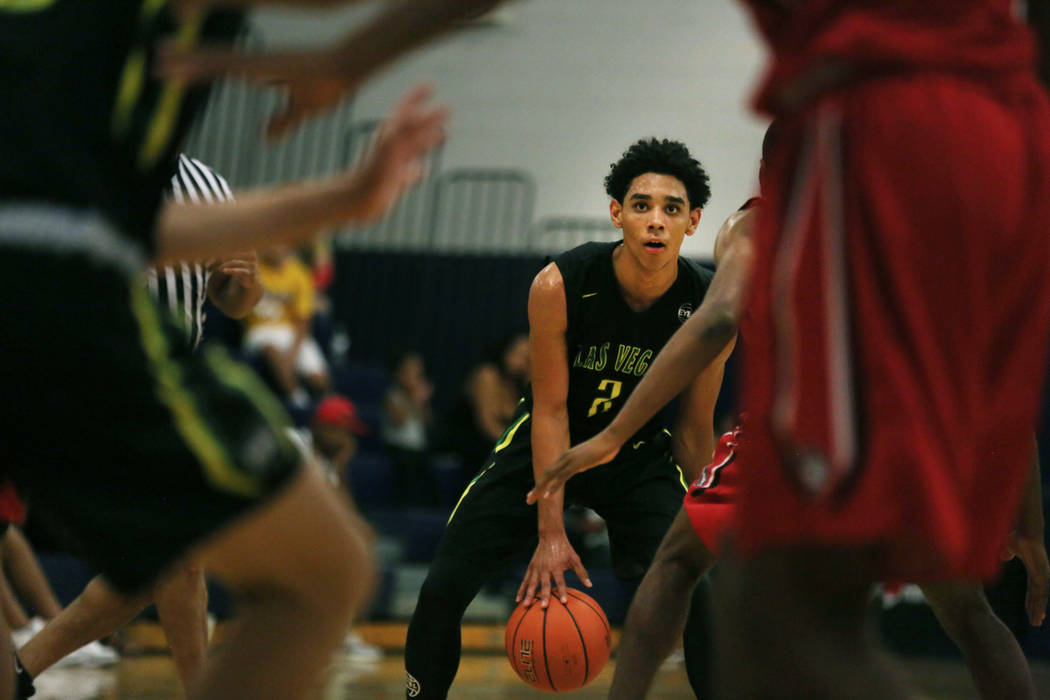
point(183, 575)
point(307, 550)
point(345, 580)
point(329, 592)
point(190, 569)
point(682, 558)
point(686, 565)
point(444, 588)
point(958, 607)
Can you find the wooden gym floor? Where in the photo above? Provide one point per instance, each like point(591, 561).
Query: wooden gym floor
point(483, 675)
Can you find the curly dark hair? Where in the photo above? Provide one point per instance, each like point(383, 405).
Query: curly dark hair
point(661, 156)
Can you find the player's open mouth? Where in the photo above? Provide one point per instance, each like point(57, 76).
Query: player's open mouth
point(654, 245)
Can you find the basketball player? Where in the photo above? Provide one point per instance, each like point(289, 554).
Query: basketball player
point(89, 140)
point(658, 610)
point(181, 596)
point(947, 361)
point(598, 314)
point(880, 387)
point(21, 572)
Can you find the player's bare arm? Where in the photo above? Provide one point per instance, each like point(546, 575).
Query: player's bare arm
point(696, 346)
point(548, 323)
point(234, 286)
point(316, 80)
point(693, 438)
point(294, 213)
point(1028, 545)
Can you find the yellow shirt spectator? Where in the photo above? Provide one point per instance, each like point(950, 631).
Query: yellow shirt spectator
point(288, 294)
point(278, 328)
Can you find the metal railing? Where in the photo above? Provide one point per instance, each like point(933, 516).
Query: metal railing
point(557, 233)
point(482, 210)
point(465, 210)
point(408, 225)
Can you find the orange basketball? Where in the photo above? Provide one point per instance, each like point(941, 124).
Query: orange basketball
point(561, 648)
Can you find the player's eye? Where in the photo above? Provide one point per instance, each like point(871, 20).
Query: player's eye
point(640, 206)
point(672, 209)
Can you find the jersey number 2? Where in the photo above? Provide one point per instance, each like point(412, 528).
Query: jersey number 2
point(603, 403)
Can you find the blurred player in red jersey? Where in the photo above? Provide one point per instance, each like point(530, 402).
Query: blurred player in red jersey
point(901, 303)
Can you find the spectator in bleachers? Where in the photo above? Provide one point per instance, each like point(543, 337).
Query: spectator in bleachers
point(22, 579)
point(278, 329)
point(319, 259)
point(331, 438)
point(406, 421)
point(331, 443)
point(490, 395)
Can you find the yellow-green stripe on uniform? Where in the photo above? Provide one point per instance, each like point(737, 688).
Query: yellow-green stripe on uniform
point(505, 439)
point(217, 465)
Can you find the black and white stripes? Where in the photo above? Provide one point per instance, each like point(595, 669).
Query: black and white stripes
point(183, 286)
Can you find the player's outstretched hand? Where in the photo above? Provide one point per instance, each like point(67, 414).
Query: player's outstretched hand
point(553, 556)
point(598, 450)
point(242, 267)
point(313, 81)
point(395, 160)
point(1032, 553)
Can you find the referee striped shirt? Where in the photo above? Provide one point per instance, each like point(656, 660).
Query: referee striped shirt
point(182, 287)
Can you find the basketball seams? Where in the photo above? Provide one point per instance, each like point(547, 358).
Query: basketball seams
point(583, 643)
point(546, 659)
point(556, 638)
point(514, 642)
point(597, 611)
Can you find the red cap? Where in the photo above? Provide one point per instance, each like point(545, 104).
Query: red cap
point(340, 411)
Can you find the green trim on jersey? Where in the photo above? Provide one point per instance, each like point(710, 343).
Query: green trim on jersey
point(508, 434)
point(133, 80)
point(25, 5)
point(166, 113)
point(133, 77)
point(238, 376)
point(681, 477)
point(505, 439)
point(467, 490)
point(199, 439)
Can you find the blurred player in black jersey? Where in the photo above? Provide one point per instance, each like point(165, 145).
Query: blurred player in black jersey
point(90, 138)
point(181, 595)
point(598, 314)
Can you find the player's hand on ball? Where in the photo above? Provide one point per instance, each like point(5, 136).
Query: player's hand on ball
point(598, 450)
point(553, 556)
point(1032, 553)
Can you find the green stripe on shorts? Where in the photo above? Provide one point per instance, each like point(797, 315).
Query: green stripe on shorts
point(191, 426)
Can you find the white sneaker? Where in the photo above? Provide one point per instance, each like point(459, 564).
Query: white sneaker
point(74, 684)
point(357, 649)
point(20, 636)
point(677, 658)
point(93, 655)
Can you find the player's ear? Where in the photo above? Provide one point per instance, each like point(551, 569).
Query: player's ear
point(694, 221)
point(616, 213)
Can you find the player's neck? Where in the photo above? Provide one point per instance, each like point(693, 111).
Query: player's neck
point(641, 287)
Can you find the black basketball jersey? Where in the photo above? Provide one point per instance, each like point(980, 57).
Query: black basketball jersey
point(610, 346)
point(85, 124)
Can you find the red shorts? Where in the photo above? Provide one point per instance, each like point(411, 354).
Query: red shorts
point(12, 509)
point(901, 303)
point(711, 500)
